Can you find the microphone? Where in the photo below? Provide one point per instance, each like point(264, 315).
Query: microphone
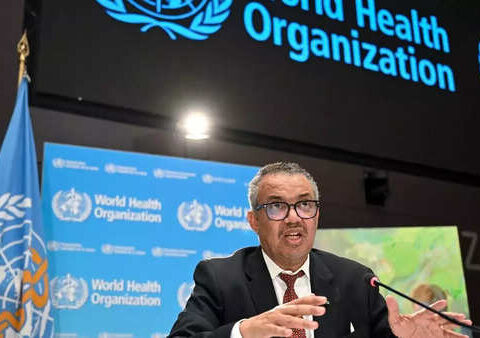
point(374, 282)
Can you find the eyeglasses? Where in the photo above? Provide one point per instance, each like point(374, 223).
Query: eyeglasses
point(278, 211)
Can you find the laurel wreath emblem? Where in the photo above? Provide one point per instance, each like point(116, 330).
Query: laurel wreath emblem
point(11, 207)
point(206, 22)
point(79, 215)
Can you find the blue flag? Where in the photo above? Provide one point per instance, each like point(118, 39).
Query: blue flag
point(24, 288)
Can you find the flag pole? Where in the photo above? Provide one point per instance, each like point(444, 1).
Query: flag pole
point(23, 50)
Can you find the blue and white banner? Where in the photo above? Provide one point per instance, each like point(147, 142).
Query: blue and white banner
point(125, 232)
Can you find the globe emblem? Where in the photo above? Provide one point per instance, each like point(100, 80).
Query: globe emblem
point(107, 249)
point(192, 19)
point(194, 216)
point(53, 245)
point(169, 9)
point(207, 178)
point(157, 252)
point(159, 173)
point(16, 261)
point(184, 292)
point(68, 292)
point(58, 162)
point(71, 205)
point(110, 168)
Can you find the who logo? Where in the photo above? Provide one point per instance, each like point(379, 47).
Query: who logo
point(194, 216)
point(71, 206)
point(68, 292)
point(192, 19)
point(184, 292)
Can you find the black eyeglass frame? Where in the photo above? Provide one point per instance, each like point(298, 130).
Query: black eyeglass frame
point(290, 205)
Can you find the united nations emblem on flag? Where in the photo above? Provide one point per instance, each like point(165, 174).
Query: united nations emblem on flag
point(71, 205)
point(192, 19)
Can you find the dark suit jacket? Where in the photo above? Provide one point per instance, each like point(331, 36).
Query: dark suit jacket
point(229, 289)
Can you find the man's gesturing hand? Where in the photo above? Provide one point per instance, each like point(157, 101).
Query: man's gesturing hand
point(423, 323)
point(280, 320)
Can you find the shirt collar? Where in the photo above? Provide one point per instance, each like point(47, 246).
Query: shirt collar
point(274, 270)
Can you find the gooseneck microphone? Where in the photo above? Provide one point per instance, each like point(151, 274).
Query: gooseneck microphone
point(374, 282)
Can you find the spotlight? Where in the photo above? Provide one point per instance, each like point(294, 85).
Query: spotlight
point(196, 126)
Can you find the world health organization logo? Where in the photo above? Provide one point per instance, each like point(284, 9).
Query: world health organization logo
point(194, 216)
point(207, 178)
point(71, 205)
point(192, 19)
point(159, 173)
point(68, 292)
point(58, 162)
point(184, 292)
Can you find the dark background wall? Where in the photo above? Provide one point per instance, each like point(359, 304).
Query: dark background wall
point(418, 195)
point(11, 19)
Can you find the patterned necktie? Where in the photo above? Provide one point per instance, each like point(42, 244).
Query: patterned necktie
point(291, 295)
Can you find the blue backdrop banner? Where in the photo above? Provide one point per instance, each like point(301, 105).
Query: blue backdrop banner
point(125, 231)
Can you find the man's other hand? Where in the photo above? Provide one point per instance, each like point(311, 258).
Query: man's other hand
point(423, 323)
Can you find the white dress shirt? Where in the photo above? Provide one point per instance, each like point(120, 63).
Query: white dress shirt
point(302, 288)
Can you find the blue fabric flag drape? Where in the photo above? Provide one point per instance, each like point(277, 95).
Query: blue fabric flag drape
point(24, 289)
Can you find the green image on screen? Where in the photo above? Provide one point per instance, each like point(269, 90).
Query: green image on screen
point(409, 259)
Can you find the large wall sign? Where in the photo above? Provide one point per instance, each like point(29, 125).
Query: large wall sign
point(125, 232)
point(368, 76)
point(305, 42)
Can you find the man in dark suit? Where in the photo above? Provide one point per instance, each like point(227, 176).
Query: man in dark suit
point(284, 287)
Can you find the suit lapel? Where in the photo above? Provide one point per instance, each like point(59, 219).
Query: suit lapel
point(323, 285)
point(259, 282)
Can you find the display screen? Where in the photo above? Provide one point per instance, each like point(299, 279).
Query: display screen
point(386, 78)
point(423, 262)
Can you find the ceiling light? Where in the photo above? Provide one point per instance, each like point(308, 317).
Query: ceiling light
point(196, 126)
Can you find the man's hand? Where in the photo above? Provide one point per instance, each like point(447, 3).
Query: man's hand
point(423, 323)
point(280, 320)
